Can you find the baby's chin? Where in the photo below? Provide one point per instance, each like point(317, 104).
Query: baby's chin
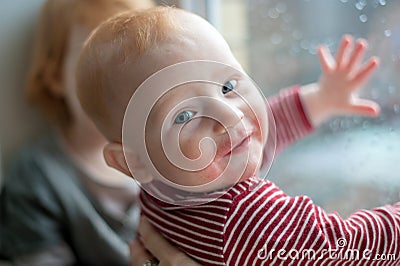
point(217, 176)
point(225, 178)
point(219, 181)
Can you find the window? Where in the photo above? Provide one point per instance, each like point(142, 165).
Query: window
point(349, 162)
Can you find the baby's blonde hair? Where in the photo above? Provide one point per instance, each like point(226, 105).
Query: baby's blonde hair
point(104, 77)
point(56, 20)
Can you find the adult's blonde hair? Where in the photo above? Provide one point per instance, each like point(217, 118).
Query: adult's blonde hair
point(105, 80)
point(56, 20)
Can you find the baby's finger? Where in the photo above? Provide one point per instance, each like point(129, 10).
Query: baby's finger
point(364, 107)
point(325, 58)
point(347, 40)
point(139, 255)
point(357, 54)
point(365, 72)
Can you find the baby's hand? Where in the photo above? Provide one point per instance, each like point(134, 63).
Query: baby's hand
point(335, 93)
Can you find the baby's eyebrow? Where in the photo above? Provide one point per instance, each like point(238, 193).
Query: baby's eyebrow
point(167, 100)
point(184, 91)
point(221, 76)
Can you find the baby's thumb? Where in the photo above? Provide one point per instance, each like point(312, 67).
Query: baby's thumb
point(365, 107)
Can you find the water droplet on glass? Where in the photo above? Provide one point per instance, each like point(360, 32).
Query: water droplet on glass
point(396, 108)
point(359, 6)
point(363, 18)
point(343, 1)
point(272, 13)
point(391, 90)
point(297, 35)
point(304, 44)
point(313, 49)
point(294, 50)
point(382, 2)
point(388, 33)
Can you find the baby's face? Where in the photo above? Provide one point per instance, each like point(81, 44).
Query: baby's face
point(202, 133)
point(221, 129)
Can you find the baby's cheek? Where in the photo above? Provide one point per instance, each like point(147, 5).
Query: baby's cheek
point(189, 147)
point(191, 138)
point(260, 125)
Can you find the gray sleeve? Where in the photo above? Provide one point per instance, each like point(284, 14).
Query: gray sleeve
point(60, 255)
point(31, 216)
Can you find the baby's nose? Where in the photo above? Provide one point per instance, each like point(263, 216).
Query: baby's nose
point(228, 116)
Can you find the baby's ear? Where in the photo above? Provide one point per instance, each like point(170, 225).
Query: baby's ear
point(54, 80)
point(115, 158)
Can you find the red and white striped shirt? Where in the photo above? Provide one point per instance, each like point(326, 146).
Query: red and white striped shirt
point(255, 223)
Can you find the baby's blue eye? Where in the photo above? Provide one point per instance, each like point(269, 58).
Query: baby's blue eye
point(183, 117)
point(229, 86)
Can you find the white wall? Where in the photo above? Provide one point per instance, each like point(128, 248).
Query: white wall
point(18, 122)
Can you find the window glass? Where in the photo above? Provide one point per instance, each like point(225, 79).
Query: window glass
point(349, 162)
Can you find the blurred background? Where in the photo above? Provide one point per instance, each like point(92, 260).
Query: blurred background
point(348, 163)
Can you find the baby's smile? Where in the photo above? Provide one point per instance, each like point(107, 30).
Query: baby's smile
point(235, 142)
point(242, 146)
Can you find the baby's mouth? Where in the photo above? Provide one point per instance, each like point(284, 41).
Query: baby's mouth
point(234, 142)
point(239, 147)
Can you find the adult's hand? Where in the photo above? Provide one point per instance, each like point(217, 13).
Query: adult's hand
point(153, 246)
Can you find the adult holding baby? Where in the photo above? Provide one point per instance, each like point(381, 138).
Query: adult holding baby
point(61, 204)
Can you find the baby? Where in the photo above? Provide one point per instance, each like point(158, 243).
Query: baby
point(191, 137)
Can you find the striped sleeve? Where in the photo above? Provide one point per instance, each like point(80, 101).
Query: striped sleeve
point(197, 230)
point(290, 118)
point(267, 227)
